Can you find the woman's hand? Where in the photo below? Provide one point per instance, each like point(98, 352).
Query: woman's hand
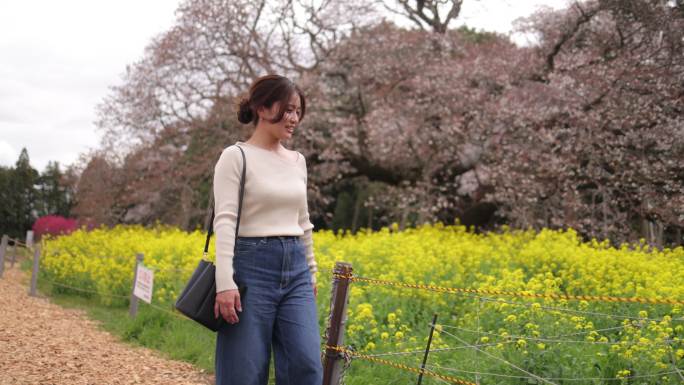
point(227, 302)
point(315, 290)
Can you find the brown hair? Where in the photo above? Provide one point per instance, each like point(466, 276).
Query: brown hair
point(265, 91)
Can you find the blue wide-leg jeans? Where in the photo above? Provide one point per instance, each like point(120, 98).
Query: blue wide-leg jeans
point(278, 310)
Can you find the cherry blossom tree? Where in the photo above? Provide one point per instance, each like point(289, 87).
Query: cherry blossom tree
point(583, 129)
point(593, 138)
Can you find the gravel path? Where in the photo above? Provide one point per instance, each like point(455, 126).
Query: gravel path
point(42, 343)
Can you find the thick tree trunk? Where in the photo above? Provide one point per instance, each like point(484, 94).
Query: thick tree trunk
point(604, 209)
point(658, 234)
point(357, 211)
point(404, 216)
point(370, 217)
point(592, 219)
point(652, 231)
point(185, 207)
point(644, 229)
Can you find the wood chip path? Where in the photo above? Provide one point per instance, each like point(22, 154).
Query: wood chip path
point(42, 343)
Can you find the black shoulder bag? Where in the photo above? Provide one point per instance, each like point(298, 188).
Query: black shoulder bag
point(198, 298)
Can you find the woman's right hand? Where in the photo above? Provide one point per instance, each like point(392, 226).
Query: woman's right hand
point(227, 303)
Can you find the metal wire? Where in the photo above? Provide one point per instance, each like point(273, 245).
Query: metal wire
point(540, 339)
point(85, 290)
point(499, 358)
point(401, 366)
point(574, 311)
point(172, 270)
point(420, 351)
point(555, 378)
point(173, 313)
point(567, 297)
point(115, 296)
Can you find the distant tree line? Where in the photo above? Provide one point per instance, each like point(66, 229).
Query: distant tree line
point(26, 195)
point(584, 129)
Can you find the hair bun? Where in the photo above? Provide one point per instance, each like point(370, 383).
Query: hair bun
point(245, 113)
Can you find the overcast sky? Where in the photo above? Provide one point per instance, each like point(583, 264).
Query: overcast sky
point(60, 57)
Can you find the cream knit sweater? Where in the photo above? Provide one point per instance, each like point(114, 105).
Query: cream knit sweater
point(274, 203)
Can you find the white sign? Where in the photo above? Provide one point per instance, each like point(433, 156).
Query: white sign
point(144, 279)
point(29, 238)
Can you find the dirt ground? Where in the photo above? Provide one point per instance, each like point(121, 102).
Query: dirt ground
point(42, 343)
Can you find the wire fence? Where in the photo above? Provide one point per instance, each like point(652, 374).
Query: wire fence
point(171, 312)
point(484, 296)
point(432, 373)
point(179, 272)
point(565, 379)
point(525, 294)
point(473, 339)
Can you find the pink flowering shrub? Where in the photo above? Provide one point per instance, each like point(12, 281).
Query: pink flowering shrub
point(54, 225)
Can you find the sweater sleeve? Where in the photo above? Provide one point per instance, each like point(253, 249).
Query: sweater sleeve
point(307, 238)
point(227, 173)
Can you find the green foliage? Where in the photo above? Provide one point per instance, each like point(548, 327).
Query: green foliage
point(26, 195)
point(6, 196)
point(343, 210)
point(19, 197)
point(350, 212)
point(53, 195)
point(475, 36)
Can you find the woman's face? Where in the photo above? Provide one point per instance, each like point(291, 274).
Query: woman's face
point(284, 129)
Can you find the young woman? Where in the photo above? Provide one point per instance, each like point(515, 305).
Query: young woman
point(273, 251)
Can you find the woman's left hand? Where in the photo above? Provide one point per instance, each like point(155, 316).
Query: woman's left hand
point(315, 290)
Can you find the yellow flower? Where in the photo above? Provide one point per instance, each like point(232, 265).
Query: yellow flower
point(680, 354)
point(446, 255)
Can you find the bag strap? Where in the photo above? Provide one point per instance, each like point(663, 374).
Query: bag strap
point(242, 193)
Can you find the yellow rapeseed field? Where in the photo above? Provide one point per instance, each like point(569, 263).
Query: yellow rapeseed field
point(506, 339)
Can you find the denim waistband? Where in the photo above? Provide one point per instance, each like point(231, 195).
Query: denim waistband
point(271, 237)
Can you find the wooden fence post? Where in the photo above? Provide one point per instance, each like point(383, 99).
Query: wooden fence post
point(34, 272)
point(133, 309)
point(3, 249)
point(332, 366)
point(14, 252)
